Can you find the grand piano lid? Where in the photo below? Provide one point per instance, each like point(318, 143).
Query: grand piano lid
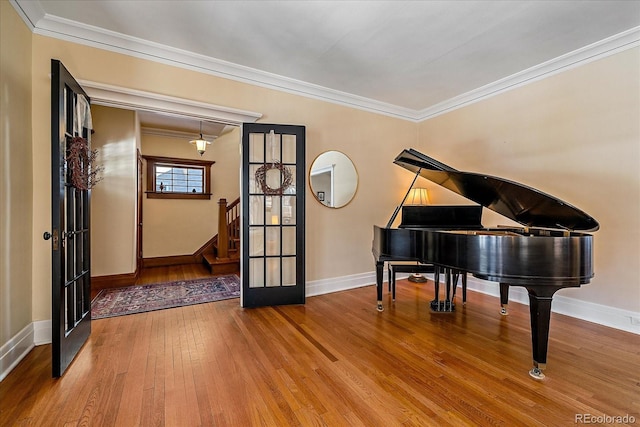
point(525, 205)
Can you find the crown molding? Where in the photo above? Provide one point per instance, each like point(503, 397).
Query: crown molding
point(64, 29)
point(132, 99)
point(30, 11)
point(145, 130)
point(601, 49)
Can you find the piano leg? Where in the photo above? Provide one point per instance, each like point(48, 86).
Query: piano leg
point(504, 298)
point(464, 288)
point(540, 298)
point(436, 287)
point(379, 277)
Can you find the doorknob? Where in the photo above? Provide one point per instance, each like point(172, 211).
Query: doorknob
point(47, 236)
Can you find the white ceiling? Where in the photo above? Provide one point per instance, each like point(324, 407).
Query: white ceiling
point(411, 59)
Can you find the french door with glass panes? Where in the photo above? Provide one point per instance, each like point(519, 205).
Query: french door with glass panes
point(273, 215)
point(70, 196)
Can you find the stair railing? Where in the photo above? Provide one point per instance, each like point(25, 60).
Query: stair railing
point(228, 229)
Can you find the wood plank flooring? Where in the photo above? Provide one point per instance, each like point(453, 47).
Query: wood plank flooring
point(335, 361)
point(170, 273)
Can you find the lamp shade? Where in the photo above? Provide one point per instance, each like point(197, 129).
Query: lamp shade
point(201, 144)
point(418, 196)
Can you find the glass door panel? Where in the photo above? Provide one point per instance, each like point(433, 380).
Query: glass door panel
point(273, 215)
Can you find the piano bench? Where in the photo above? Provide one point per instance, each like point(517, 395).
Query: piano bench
point(405, 268)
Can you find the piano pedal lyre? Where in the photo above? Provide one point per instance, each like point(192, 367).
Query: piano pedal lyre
point(463, 275)
point(442, 306)
point(447, 304)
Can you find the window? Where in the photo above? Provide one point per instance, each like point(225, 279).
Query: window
point(170, 178)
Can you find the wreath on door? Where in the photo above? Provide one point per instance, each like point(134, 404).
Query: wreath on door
point(285, 182)
point(84, 174)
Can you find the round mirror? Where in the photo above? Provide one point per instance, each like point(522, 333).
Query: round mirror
point(333, 179)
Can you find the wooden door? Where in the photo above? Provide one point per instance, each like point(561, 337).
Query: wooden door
point(70, 243)
point(273, 215)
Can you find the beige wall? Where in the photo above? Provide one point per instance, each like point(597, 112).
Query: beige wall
point(338, 241)
point(575, 135)
point(16, 178)
point(181, 227)
point(113, 200)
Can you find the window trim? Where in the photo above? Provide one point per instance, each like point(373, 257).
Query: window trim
point(152, 161)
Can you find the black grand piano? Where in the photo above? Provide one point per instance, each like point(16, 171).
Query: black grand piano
point(549, 252)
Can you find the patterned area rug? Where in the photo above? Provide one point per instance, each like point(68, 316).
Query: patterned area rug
point(143, 298)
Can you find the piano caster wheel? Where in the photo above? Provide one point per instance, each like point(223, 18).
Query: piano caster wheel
point(503, 311)
point(536, 373)
point(379, 307)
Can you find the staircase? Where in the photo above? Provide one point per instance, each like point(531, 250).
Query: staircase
point(223, 257)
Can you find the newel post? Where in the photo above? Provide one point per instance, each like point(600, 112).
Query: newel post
point(223, 232)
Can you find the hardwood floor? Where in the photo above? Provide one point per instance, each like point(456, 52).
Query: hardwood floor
point(335, 361)
point(168, 274)
point(172, 273)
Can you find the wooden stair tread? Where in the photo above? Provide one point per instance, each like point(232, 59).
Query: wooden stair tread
point(212, 259)
point(221, 265)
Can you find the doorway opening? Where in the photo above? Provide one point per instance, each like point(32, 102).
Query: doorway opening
point(165, 122)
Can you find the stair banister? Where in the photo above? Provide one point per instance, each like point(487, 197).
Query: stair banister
point(233, 226)
point(223, 231)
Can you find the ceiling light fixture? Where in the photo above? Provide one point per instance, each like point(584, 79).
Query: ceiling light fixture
point(200, 143)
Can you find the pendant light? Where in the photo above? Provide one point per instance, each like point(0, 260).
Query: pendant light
point(200, 143)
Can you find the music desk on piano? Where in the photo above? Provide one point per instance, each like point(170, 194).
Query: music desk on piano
point(550, 251)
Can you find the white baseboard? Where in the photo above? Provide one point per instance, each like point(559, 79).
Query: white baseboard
point(42, 332)
point(11, 353)
point(612, 317)
point(15, 350)
point(335, 284)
